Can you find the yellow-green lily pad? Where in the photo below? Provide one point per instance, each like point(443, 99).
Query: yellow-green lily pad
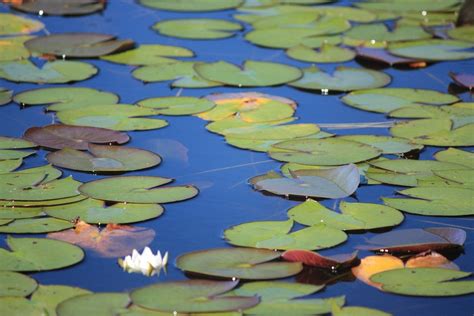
point(191, 5)
point(326, 54)
point(35, 226)
point(12, 24)
point(49, 296)
point(178, 105)
point(433, 49)
point(149, 54)
point(16, 284)
point(197, 28)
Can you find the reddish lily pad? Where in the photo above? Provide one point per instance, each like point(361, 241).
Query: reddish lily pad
point(75, 137)
point(59, 7)
point(314, 259)
point(192, 296)
point(82, 45)
point(382, 56)
point(103, 159)
point(463, 79)
point(241, 263)
point(417, 240)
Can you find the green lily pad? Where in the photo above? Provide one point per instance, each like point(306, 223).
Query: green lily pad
point(118, 117)
point(381, 56)
point(463, 33)
point(192, 5)
point(6, 154)
point(241, 263)
point(106, 304)
point(12, 48)
point(349, 13)
point(81, 45)
point(149, 55)
point(5, 221)
point(49, 296)
point(387, 144)
point(59, 99)
point(386, 100)
point(314, 306)
point(19, 306)
point(5, 96)
point(137, 189)
point(276, 290)
point(13, 24)
point(276, 235)
point(249, 107)
point(59, 136)
point(16, 284)
point(408, 172)
point(192, 296)
point(358, 311)
point(253, 73)
point(14, 143)
point(333, 183)
point(38, 254)
point(197, 28)
point(34, 191)
point(378, 34)
point(434, 201)
point(434, 49)
point(35, 226)
point(20, 212)
point(10, 165)
point(51, 72)
point(178, 105)
point(60, 7)
point(403, 5)
point(103, 159)
point(97, 212)
point(342, 79)
point(353, 216)
point(324, 152)
point(49, 173)
point(29, 204)
point(182, 74)
point(235, 124)
point(291, 19)
point(457, 156)
point(424, 282)
point(326, 54)
point(434, 132)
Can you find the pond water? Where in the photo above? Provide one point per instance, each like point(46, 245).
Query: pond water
point(192, 155)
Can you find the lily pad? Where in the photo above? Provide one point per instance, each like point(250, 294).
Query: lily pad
point(10, 165)
point(106, 304)
point(386, 100)
point(16, 284)
point(342, 79)
point(61, 136)
point(463, 79)
point(192, 5)
point(404, 6)
point(325, 54)
point(235, 124)
point(358, 311)
point(252, 74)
point(13, 24)
point(59, 99)
point(5, 96)
point(178, 105)
point(324, 152)
point(20, 212)
point(12, 48)
point(182, 74)
point(49, 296)
point(119, 117)
point(353, 216)
point(38, 254)
point(197, 28)
point(35, 226)
point(276, 235)
point(97, 212)
point(388, 145)
point(149, 55)
point(434, 201)
point(463, 33)
point(241, 263)
point(81, 45)
point(424, 282)
point(313, 306)
point(6, 154)
point(103, 159)
point(434, 49)
point(435, 132)
point(14, 143)
point(51, 72)
point(59, 7)
point(111, 242)
point(457, 156)
point(34, 191)
point(64, 201)
point(382, 56)
point(192, 296)
point(137, 189)
point(417, 240)
point(333, 183)
point(19, 306)
point(314, 259)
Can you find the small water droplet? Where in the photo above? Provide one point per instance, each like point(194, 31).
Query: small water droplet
point(40, 12)
point(324, 91)
point(64, 56)
point(240, 85)
point(424, 13)
point(234, 278)
point(372, 42)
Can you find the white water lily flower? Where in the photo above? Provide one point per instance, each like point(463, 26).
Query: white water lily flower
point(147, 263)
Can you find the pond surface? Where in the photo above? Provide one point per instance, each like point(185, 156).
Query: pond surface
point(192, 155)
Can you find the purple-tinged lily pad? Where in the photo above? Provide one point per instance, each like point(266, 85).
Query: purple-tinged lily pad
point(314, 259)
point(463, 79)
point(382, 56)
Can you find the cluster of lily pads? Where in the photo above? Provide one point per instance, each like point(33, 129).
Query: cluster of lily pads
point(318, 164)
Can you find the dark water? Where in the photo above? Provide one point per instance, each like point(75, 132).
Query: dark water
point(194, 156)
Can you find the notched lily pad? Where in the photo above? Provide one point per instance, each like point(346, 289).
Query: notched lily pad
point(197, 28)
point(314, 259)
point(49, 296)
point(380, 55)
point(79, 45)
point(178, 105)
point(59, 136)
point(149, 55)
point(326, 54)
point(241, 263)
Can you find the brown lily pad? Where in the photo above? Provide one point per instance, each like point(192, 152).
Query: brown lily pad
point(112, 241)
point(463, 80)
point(60, 136)
point(382, 56)
point(314, 259)
point(59, 7)
point(81, 45)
